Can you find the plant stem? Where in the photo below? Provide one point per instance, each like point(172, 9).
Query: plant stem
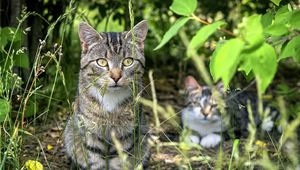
point(207, 23)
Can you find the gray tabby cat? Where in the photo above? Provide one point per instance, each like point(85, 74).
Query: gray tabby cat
point(112, 66)
point(203, 117)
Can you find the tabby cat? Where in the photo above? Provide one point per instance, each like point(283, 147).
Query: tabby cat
point(203, 116)
point(111, 69)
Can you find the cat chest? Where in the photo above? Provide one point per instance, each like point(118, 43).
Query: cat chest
point(103, 125)
point(201, 126)
point(206, 128)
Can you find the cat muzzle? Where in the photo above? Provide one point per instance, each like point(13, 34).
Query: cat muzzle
point(115, 74)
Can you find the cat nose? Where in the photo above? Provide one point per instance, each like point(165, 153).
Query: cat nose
point(206, 111)
point(115, 74)
point(116, 79)
point(205, 114)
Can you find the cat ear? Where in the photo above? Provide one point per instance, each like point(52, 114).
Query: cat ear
point(191, 84)
point(139, 31)
point(87, 36)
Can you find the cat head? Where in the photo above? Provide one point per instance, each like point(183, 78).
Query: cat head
point(201, 101)
point(112, 60)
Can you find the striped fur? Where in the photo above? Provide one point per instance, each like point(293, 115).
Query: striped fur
point(105, 100)
point(202, 113)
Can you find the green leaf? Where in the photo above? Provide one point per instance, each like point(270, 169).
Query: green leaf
point(21, 60)
point(283, 15)
point(276, 2)
point(264, 64)
point(203, 34)
point(4, 109)
point(184, 7)
point(245, 65)
point(172, 31)
point(252, 32)
point(249, 77)
point(292, 49)
point(277, 30)
point(266, 19)
point(225, 60)
point(31, 108)
point(3, 42)
point(10, 32)
point(295, 20)
point(3, 39)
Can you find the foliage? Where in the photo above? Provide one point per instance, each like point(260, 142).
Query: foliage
point(251, 48)
point(11, 42)
point(4, 109)
point(255, 48)
point(172, 31)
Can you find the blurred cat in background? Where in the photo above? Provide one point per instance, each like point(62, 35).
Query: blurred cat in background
point(202, 114)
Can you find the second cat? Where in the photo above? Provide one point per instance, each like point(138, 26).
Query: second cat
point(203, 117)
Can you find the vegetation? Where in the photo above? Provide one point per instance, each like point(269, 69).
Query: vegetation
point(240, 43)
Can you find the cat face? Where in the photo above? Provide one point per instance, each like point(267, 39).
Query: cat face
point(112, 60)
point(200, 101)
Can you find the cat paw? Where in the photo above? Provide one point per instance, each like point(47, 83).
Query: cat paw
point(210, 140)
point(267, 124)
point(193, 139)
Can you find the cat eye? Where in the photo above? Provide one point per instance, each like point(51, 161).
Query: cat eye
point(102, 62)
point(127, 62)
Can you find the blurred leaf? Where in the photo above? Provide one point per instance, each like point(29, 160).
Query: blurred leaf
point(184, 7)
point(276, 2)
point(245, 65)
point(224, 63)
point(203, 34)
point(4, 109)
point(277, 30)
point(3, 42)
point(284, 89)
point(295, 20)
point(292, 49)
point(33, 165)
point(212, 59)
point(264, 64)
point(252, 32)
point(10, 32)
point(184, 146)
point(172, 31)
point(235, 152)
point(283, 15)
point(3, 39)
point(21, 60)
point(31, 108)
point(266, 19)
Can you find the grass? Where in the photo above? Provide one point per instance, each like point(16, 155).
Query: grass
point(14, 125)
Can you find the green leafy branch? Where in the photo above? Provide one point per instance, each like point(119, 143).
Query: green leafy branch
point(254, 49)
point(186, 9)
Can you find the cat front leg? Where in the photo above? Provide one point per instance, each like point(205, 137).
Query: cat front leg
point(193, 139)
point(210, 140)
